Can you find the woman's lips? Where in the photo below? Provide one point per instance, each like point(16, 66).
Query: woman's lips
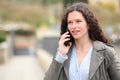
point(75, 32)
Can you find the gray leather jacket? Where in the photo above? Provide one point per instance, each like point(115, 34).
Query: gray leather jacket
point(104, 65)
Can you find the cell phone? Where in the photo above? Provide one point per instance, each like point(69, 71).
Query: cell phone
point(67, 43)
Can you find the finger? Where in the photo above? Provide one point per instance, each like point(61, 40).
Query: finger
point(65, 36)
point(66, 33)
point(64, 40)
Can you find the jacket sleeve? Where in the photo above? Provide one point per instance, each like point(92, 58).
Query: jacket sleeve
point(114, 67)
point(53, 71)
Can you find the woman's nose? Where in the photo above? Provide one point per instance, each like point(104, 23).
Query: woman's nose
point(74, 25)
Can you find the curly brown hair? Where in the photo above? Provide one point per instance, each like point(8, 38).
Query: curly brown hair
point(95, 31)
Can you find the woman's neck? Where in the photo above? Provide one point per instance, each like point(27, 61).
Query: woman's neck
point(82, 44)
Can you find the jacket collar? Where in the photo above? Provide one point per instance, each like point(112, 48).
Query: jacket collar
point(96, 59)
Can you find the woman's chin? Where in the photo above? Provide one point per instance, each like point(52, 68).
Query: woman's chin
point(76, 38)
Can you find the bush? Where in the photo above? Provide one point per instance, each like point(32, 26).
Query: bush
point(2, 37)
point(108, 6)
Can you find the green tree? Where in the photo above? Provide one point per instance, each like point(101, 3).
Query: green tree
point(2, 36)
point(66, 2)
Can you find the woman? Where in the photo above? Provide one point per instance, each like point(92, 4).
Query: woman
point(84, 53)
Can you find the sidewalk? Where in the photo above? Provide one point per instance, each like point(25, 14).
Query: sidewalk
point(44, 58)
point(22, 68)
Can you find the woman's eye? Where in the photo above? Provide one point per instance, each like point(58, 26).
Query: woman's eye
point(78, 21)
point(69, 22)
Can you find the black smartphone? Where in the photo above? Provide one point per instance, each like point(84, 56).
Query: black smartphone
point(67, 43)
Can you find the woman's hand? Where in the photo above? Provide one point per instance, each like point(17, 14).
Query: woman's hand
point(61, 46)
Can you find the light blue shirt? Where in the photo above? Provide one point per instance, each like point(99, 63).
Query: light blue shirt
point(80, 72)
point(77, 72)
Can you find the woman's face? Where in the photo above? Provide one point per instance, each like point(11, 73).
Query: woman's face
point(77, 25)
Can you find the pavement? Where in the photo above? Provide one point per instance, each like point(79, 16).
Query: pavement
point(44, 58)
point(22, 68)
point(26, 67)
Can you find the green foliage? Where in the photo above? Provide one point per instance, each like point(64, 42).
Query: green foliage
point(106, 13)
point(109, 6)
point(28, 11)
point(2, 37)
point(32, 14)
point(66, 2)
point(32, 1)
point(50, 1)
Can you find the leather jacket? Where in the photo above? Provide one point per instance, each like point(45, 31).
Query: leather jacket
point(104, 65)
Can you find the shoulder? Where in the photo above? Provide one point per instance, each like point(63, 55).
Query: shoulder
point(101, 45)
point(109, 51)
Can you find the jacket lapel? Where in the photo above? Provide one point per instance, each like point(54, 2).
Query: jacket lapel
point(96, 58)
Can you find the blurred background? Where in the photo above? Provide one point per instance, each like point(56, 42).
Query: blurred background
point(29, 32)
